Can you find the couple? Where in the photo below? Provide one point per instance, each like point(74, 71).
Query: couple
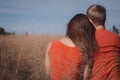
point(88, 51)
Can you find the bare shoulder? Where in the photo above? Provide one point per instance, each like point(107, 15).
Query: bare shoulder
point(67, 41)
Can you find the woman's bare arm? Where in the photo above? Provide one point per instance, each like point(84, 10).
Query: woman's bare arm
point(47, 61)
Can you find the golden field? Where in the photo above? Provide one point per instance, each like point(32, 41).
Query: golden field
point(22, 56)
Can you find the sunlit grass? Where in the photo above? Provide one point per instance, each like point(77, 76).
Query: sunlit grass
point(22, 56)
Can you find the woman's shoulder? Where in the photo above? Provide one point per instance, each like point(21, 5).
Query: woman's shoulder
point(62, 43)
point(67, 42)
point(53, 43)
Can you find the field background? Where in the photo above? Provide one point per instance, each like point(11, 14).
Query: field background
point(22, 56)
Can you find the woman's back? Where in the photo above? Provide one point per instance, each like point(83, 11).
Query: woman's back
point(65, 61)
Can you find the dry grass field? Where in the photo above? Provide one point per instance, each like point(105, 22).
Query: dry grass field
point(22, 56)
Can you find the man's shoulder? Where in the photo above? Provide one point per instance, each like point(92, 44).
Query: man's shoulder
point(107, 36)
point(106, 33)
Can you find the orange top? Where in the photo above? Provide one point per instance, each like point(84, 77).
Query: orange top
point(64, 61)
point(107, 60)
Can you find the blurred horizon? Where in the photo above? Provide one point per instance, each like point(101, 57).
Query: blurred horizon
point(50, 17)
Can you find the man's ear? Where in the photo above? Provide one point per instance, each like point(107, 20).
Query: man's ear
point(90, 20)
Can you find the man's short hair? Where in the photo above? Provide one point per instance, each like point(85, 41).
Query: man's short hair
point(97, 14)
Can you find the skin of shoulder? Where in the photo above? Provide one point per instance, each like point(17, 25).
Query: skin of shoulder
point(67, 41)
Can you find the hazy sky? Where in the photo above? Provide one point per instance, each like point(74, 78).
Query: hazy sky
point(50, 16)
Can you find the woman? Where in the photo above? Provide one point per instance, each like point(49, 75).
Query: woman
point(71, 58)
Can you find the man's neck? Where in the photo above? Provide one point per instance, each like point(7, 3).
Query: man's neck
point(99, 27)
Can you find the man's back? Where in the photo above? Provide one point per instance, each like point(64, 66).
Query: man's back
point(107, 60)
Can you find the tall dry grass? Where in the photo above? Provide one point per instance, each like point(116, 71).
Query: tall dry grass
point(22, 57)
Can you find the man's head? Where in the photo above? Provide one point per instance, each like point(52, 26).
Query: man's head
point(97, 14)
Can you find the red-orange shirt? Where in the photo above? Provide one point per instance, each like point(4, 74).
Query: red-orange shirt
point(64, 61)
point(107, 60)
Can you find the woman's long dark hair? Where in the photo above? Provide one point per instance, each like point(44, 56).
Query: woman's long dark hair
point(82, 33)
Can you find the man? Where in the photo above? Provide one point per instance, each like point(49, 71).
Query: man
point(107, 59)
